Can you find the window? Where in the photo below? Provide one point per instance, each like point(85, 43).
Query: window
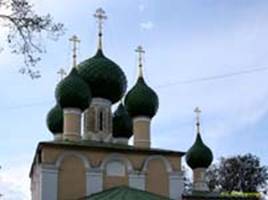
point(101, 120)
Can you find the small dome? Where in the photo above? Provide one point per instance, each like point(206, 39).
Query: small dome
point(141, 100)
point(122, 123)
point(105, 78)
point(73, 92)
point(55, 120)
point(199, 155)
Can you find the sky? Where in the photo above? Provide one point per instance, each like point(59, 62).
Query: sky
point(211, 54)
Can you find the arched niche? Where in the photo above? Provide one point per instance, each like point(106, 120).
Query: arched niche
point(157, 169)
point(116, 168)
point(72, 176)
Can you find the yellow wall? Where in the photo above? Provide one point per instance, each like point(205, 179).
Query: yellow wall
point(72, 179)
point(157, 178)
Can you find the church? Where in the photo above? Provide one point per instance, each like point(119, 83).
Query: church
point(90, 156)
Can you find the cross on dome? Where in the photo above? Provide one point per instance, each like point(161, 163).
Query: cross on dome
point(140, 52)
point(100, 15)
point(62, 73)
point(75, 41)
point(197, 111)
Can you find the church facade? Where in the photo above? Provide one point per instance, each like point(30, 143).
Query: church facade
point(90, 152)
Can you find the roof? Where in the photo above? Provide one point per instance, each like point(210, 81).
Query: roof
point(124, 193)
point(84, 144)
point(94, 145)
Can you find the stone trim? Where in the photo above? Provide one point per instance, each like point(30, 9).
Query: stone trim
point(101, 102)
point(141, 118)
point(176, 185)
point(156, 157)
point(48, 182)
point(72, 153)
point(116, 157)
point(120, 140)
point(76, 111)
point(137, 180)
point(94, 181)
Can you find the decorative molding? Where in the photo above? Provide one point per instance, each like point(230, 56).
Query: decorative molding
point(116, 157)
point(48, 182)
point(136, 180)
point(94, 181)
point(157, 157)
point(176, 185)
point(141, 118)
point(76, 111)
point(120, 140)
point(101, 102)
point(72, 153)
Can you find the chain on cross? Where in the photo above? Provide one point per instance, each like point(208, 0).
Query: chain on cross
point(75, 41)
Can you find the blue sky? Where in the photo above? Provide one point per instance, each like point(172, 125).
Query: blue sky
point(184, 40)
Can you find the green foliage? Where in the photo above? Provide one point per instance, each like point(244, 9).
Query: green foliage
point(242, 173)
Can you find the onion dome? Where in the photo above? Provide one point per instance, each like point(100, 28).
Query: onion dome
point(199, 155)
point(141, 100)
point(55, 120)
point(122, 123)
point(105, 78)
point(73, 92)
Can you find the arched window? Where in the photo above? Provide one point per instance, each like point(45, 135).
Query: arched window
point(101, 120)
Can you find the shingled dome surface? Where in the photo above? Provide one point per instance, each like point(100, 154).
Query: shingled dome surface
point(105, 78)
point(199, 155)
point(73, 92)
point(55, 120)
point(122, 123)
point(141, 100)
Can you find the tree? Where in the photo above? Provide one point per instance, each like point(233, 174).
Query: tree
point(242, 173)
point(25, 30)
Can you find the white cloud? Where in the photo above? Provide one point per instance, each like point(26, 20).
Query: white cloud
point(14, 180)
point(148, 25)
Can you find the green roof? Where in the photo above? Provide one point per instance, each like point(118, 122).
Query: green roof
point(124, 193)
point(199, 155)
point(122, 123)
point(55, 120)
point(105, 78)
point(73, 92)
point(141, 100)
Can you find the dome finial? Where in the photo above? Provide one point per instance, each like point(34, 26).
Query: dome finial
point(197, 111)
point(75, 41)
point(140, 52)
point(100, 16)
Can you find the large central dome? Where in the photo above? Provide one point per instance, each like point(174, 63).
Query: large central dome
point(105, 78)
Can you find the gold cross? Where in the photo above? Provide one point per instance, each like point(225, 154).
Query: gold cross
point(75, 41)
point(61, 73)
point(100, 15)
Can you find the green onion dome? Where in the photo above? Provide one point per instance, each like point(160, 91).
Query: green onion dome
point(122, 123)
point(199, 155)
point(105, 78)
point(141, 100)
point(55, 120)
point(73, 92)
